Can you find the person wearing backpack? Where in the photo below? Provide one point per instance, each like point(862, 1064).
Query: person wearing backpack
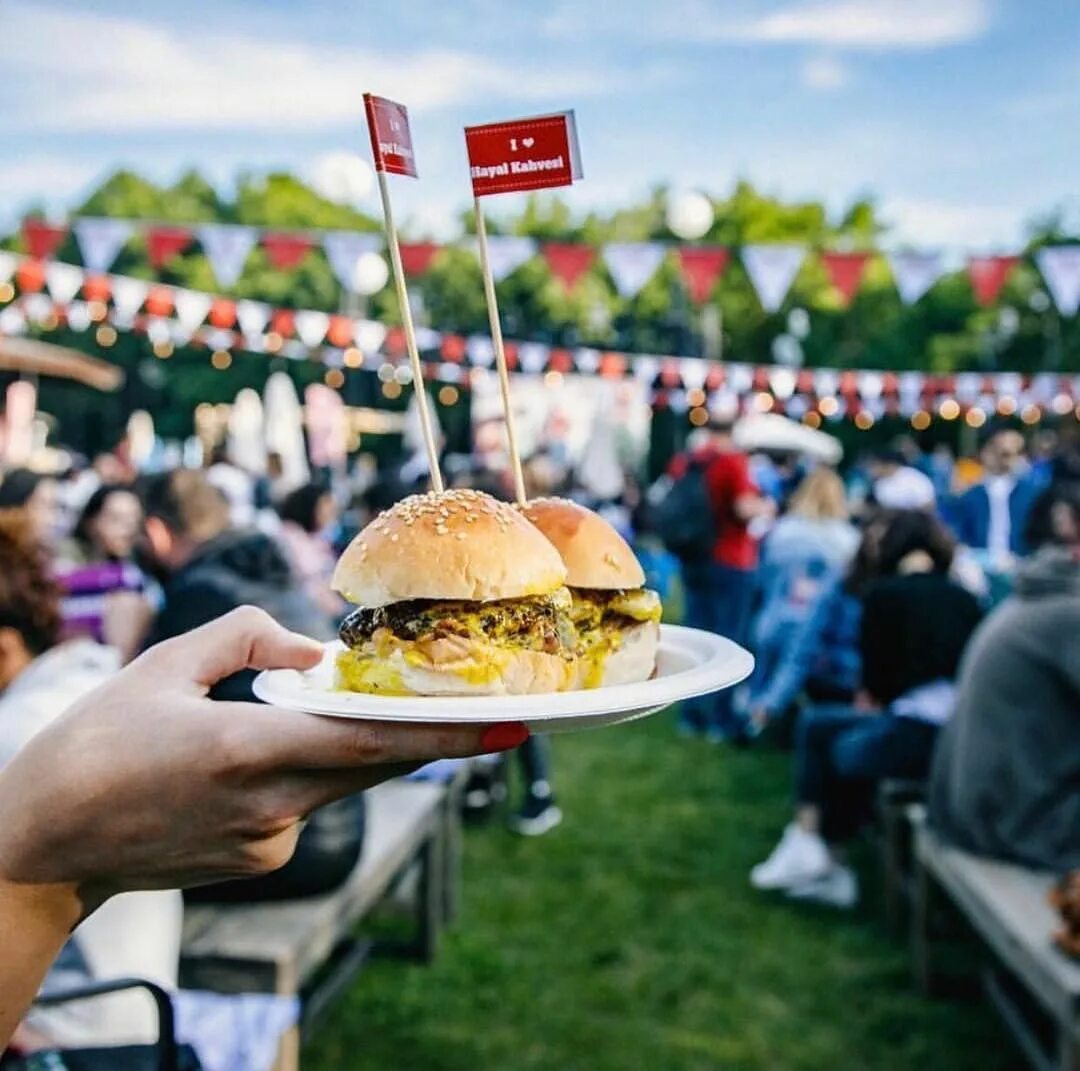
point(704, 520)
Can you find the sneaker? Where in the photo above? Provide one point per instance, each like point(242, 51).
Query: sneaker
point(538, 815)
point(837, 887)
point(798, 858)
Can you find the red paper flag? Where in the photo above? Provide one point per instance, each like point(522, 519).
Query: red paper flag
point(523, 154)
point(701, 267)
point(416, 257)
point(391, 138)
point(96, 288)
point(453, 348)
point(988, 275)
point(163, 243)
point(159, 301)
point(845, 271)
point(30, 276)
point(568, 262)
point(41, 238)
point(341, 331)
point(283, 323)
point(223, 313)
point(286, 250)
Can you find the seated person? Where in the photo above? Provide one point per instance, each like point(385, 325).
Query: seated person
point(1006, 779)
point(136, 934)
point(208, 567)
point(915, 624)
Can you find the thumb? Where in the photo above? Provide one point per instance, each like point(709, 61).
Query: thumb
point(246, 638)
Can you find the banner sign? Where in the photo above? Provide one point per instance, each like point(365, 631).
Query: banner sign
point(391, 139)
point(538, 153)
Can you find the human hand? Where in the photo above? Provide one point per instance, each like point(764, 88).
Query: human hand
point(146, 783)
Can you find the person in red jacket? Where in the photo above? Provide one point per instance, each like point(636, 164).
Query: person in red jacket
point(720, 589)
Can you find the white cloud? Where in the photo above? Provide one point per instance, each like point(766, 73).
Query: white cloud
point(824, 73)
point(872, 24)
point(51, 181)
point(969, 226)
point(83, 71)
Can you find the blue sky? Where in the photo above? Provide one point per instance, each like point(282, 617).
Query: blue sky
point(959, 116)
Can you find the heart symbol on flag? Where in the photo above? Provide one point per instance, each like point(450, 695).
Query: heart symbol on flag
point(528, 142)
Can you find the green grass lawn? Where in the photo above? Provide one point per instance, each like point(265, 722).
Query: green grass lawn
point(629, 938)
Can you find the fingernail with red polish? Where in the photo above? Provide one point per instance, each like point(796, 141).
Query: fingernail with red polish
point(509, 734)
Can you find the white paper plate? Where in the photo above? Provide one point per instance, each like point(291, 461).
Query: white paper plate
point(690, 662)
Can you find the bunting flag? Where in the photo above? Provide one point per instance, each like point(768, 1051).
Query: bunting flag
point(63, 280)
point(416, 257)
point(845, 271)
point(42, 239)
point(164, 243)
point(311, 327)
point(286, 251)
point(8, 261)
point(1060, 267)
point(701, 267)
point(128, 296)
point(772, 270)
point(988, 275)
point(252, 317)
point(507, 252)
point(915, 273)
point(344, 248)
point(632, 264)
point(226, 247)
point(100, 241)
point(568, 262)
point(192, 307)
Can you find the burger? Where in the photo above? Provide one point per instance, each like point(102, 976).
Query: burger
point(456, 594)
point(616, 617)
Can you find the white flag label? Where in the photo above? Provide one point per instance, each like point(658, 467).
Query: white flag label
point(506, 253)
point(915, 273)
point(227, 248)
point(344, 248)
point(100, 241)
point(632, 264)
point(772, 270)
point(1060, 267)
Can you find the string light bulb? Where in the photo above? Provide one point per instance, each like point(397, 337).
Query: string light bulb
point(920, 420)
point(448, 395)
point(949, 409)
point(106, 335)
point(221, 360)
point(334, 378)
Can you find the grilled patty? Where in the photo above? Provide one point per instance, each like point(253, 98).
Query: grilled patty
point(539, 622)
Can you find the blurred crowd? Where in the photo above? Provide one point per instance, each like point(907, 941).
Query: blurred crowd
point(914, 617)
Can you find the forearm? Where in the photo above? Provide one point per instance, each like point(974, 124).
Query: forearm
point(35, 920)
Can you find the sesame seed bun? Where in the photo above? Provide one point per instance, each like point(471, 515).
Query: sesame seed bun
point(454, 545)
point(596, 556)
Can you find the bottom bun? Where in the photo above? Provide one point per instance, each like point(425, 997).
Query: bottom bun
point(492, 671)
point(632, 661)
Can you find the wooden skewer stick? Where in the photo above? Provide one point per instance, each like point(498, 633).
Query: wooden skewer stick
point(410, 336)
point(500, 354)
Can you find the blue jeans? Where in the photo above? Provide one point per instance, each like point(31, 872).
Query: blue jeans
point(841, 754)
point(718, 599)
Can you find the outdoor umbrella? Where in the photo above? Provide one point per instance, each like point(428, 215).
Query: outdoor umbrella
point(770, 431)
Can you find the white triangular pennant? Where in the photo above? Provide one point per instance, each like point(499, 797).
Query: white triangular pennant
point(38, 307)
point(226, 247)
point(128, 296)
point(63, 280)
point(78, 316)
point(533, 356)
point(8, 261)
point(369, 335)
point(12, 320)
point(191, 307)
point(507, 252)
point(344, 248)
point(870, 385)
point(311, 327)
point(645, 368)
point(480, 351)
point(693, 371)
point(915, 273)
point(1060, 267)
point(586, 360)
point(632, 264)
point(772, 269)
point(253, 316)
point(100, 241)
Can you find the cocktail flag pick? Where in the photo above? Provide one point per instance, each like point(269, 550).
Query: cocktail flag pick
point(537, 153)
point(392, 152)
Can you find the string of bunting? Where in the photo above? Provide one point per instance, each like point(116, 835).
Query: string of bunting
point(49, 294)
point(771, 267)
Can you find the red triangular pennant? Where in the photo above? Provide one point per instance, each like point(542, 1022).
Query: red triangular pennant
point(159, 301)
point(701, 267)
point(286, 250)
point(988, 275)
point(845, 271)
point(41, 238)
point(568, 262)
point(30, 276)
point(163, 243)
point(416, 257)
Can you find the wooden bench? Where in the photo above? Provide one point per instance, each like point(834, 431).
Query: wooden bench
point(309, 947)
point(894, 797)
point(1033, 986)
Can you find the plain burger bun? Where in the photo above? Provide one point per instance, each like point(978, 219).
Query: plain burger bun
point(634, 661)
point(596, 556)
point(454, 545)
